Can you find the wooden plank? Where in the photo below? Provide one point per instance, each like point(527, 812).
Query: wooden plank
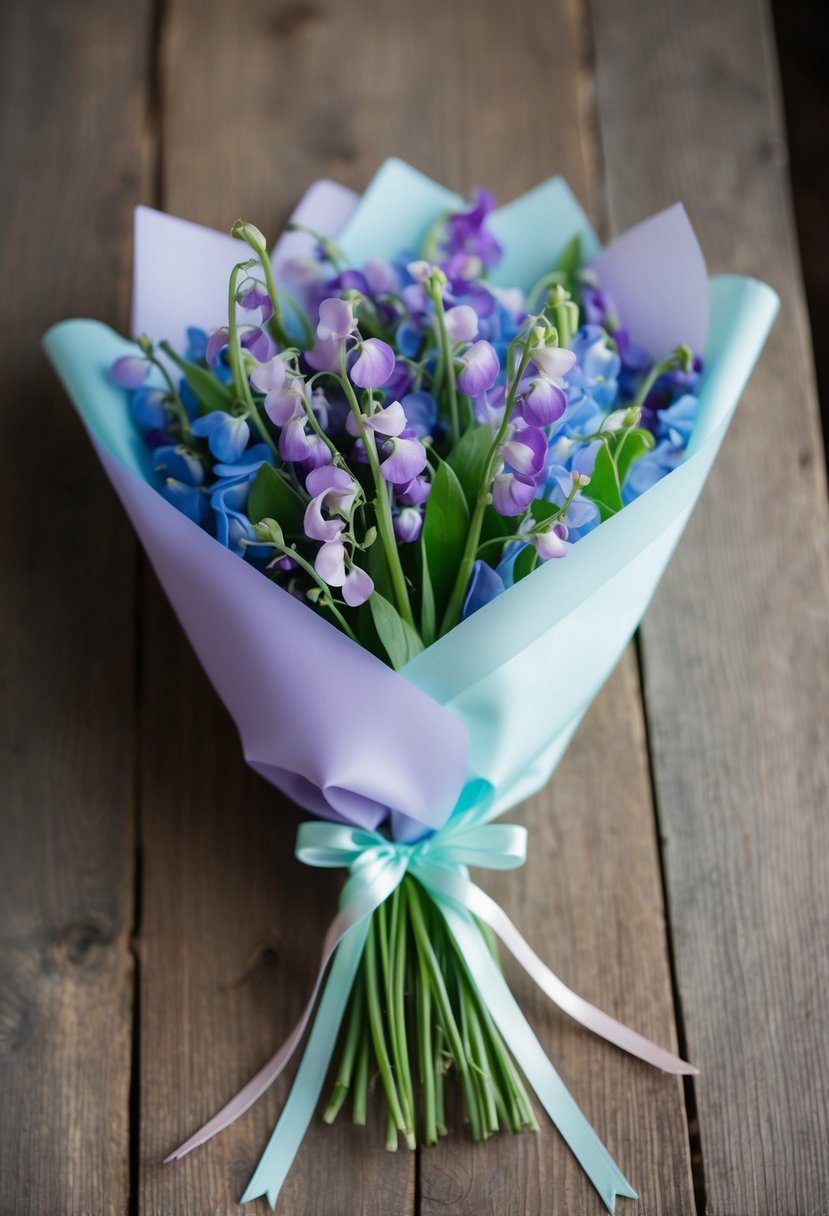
point(589, 899)
point(230, 927)
point(735, 645)
point(72, 145)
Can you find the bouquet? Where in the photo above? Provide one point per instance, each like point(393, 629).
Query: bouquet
point(409, 485)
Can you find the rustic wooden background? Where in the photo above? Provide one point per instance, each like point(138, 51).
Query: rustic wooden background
point(156, 937)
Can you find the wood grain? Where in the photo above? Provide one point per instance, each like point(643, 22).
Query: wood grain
point(72, 144)
point(735, 645)
point(230, 928)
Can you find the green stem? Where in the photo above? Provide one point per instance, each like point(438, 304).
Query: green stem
point(397, 1013)
point(473, 538)
point(353, 1036)
point(677, 358)
point(426, 1059)
point(292, 552)
point(385, 526)
point(175, 400)
point(447, 363)
point(360, 1109)
point(375, 1017)
point(241, 384)
point(432, 969)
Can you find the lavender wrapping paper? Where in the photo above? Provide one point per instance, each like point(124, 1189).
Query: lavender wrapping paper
point(499, 698)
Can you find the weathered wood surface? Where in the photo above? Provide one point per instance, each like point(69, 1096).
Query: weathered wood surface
point(736, 645)
point(72, 141)
point(216, 110)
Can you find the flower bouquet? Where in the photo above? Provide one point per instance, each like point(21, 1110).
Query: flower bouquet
point(409, 485)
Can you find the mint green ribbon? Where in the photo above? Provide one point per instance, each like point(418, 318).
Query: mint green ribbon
point(376, 866)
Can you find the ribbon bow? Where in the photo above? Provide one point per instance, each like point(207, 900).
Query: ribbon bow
point(376, 867)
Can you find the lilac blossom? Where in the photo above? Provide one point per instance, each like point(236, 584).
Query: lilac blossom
point(373, 365)
point(479, 369)
point(130, 371)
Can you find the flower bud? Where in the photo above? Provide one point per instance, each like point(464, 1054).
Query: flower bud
point(145, 344)
point(243, 231)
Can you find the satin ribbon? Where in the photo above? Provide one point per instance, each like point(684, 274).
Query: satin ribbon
point(376, 867)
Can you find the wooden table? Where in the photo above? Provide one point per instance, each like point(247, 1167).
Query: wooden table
point(156, 937)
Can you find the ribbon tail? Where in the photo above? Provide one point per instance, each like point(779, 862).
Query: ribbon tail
point(554, 1096)
point(476, 901)
point(298, 1111)
point(356, 909)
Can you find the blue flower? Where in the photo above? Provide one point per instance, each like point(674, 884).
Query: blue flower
point(148, 410)
point(598, 365)
point(196, 345)
point(227, 437)
point(484, 585)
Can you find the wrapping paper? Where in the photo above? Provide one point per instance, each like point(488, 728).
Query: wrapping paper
point(498, 699)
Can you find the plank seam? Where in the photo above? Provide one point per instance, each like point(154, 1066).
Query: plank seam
point(691, 1116)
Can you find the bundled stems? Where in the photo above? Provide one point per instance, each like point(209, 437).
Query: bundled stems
point(415, 993)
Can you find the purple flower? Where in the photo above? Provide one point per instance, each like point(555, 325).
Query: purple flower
point(357, 587)
point(227, 437)
point(542, 402)
point(324, 355)
point(283, 401)
point(479, 369)
point(330, 565)
point(462, 323)
point(256, 296)
point(512, 493)
point(381, 277)
point(554, 361)
point(297, 446)
point(484, 585)
point(408, 524)
point(404, 457)
point(334, 490)
point(467, 235)
point(526, 451)
point(130, 371)
point(550, 543)
point(374, 364)
point(336, 320)
point(413, 494)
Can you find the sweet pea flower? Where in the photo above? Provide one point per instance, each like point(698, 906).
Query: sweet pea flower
point(178, 462)
point(554, 361)
point(130, 371)
point(551, 542)
point(408, 524)
point(256, 296)
point(227, 437)
point(542, 402)
point(404, 456)
point(467, 234)
point(188, 499)
point(413, 494)
point(336, 320)
point(330, 565)
point(420, 270)
point(334, 490)
point(480, 368)
point(461, 323)
point(512, 493)
point(421, 412)
point(381, 277)
point(324, 355)
point(251, 338)
point(283, 396)
point(526, 450)
point(373, 365)
point(298, 446)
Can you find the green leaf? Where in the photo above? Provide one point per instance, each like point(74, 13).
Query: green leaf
point(634, 445)
point(541, 510)
point(445, 528)
point(211, 393)
point(428, 616)
point(378, 568)
point(399, 639)
point(468, 458)
point(272, 497)
point(524, 563)
point(569, 265)
point(604, 488)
